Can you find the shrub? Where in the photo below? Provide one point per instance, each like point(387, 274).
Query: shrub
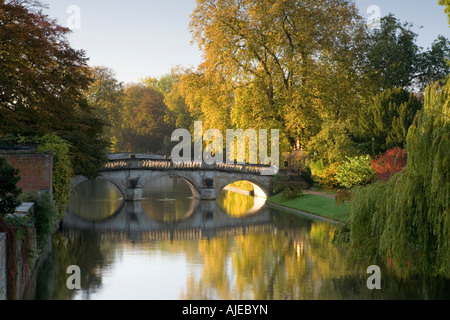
point(62, 168)
point(20, 223)
point(289, 186)
point(316, 167)
point(393, 161)
point(342, 196)
point(355, 171)
point(328, 177)
point(8, 187)
point(277, 183)
point(44, 216)
point(293, 189)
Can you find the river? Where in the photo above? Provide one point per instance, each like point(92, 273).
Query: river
point(172, 246)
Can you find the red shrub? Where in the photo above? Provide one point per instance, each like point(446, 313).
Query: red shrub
point(393, 161)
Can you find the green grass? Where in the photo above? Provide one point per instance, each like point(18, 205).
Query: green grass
point(313, 204)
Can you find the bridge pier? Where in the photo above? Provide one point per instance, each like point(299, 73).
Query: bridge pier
point(208, 194)
point(133, 194)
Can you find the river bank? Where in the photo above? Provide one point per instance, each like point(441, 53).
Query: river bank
point(315, 205)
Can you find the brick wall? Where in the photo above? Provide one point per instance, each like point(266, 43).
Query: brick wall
point(36, 169)
point(3, 266)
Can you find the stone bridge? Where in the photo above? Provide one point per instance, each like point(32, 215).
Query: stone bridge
point(132, 172)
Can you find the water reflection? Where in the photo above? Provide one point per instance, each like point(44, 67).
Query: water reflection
point(211, 254)
point(168, 199)
point(238, 204)
point(94, 200)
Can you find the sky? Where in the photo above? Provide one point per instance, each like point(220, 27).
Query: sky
point(140, 38)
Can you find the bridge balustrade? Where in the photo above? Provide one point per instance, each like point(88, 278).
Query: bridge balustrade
point(166, 164)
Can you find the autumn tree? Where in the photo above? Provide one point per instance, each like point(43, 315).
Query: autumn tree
point(273, 61)
point(105, 95)
point(142, 120)
point(163, 84)
point(446, 3)
point(42, 84)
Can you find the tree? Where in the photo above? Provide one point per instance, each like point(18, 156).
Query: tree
point(272, 61)
point(178, 114)
point(333, 143)
point(446, 3)
point(142, 120)
point(42, 84)
point(395, 60)
point(105, 95)
point(8, 187)
point(405, 222)
point(384, 123)
point(164, 84)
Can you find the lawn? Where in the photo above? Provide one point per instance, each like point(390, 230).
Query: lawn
point(316, 205)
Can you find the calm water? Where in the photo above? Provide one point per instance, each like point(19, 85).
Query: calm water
point(173, 246)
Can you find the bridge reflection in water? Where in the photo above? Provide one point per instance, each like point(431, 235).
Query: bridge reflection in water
point(206, 250)
point(167, 211)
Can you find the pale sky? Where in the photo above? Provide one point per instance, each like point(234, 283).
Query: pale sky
point(140, 38)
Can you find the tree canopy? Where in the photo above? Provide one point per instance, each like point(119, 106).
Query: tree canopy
point(271, 60)
point(42, 84)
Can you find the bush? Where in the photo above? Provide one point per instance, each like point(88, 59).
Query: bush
point(293, 189)
point(62, 168)
point(393, 161)
point(355, 171)
point(278, 183)
point(8, 187)
point(20, 223)
point(328, 177)
point(316, 167)
point(342, 196)
point(44, 216)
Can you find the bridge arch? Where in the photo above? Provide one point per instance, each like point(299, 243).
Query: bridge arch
point(195, 189)
point(80, 179)
point(259, 189)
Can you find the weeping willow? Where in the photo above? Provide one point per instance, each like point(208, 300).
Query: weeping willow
point(405, 222)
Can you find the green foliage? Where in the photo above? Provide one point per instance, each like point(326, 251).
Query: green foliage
point(20, 222)
point(105, 95)
point(355, 171)
point(8, 187)
point(316, 167)
point(62, 169)
point(142, 120)
point(395, 60)
point(277, 183)
point(265, 67)
point(292, 189)
point(53, 79)
point(290, 186)
point(333, 143)
point(163, 84)
point(44, 217)
point(385, 121)
point(406, 222)
point(328, 177)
